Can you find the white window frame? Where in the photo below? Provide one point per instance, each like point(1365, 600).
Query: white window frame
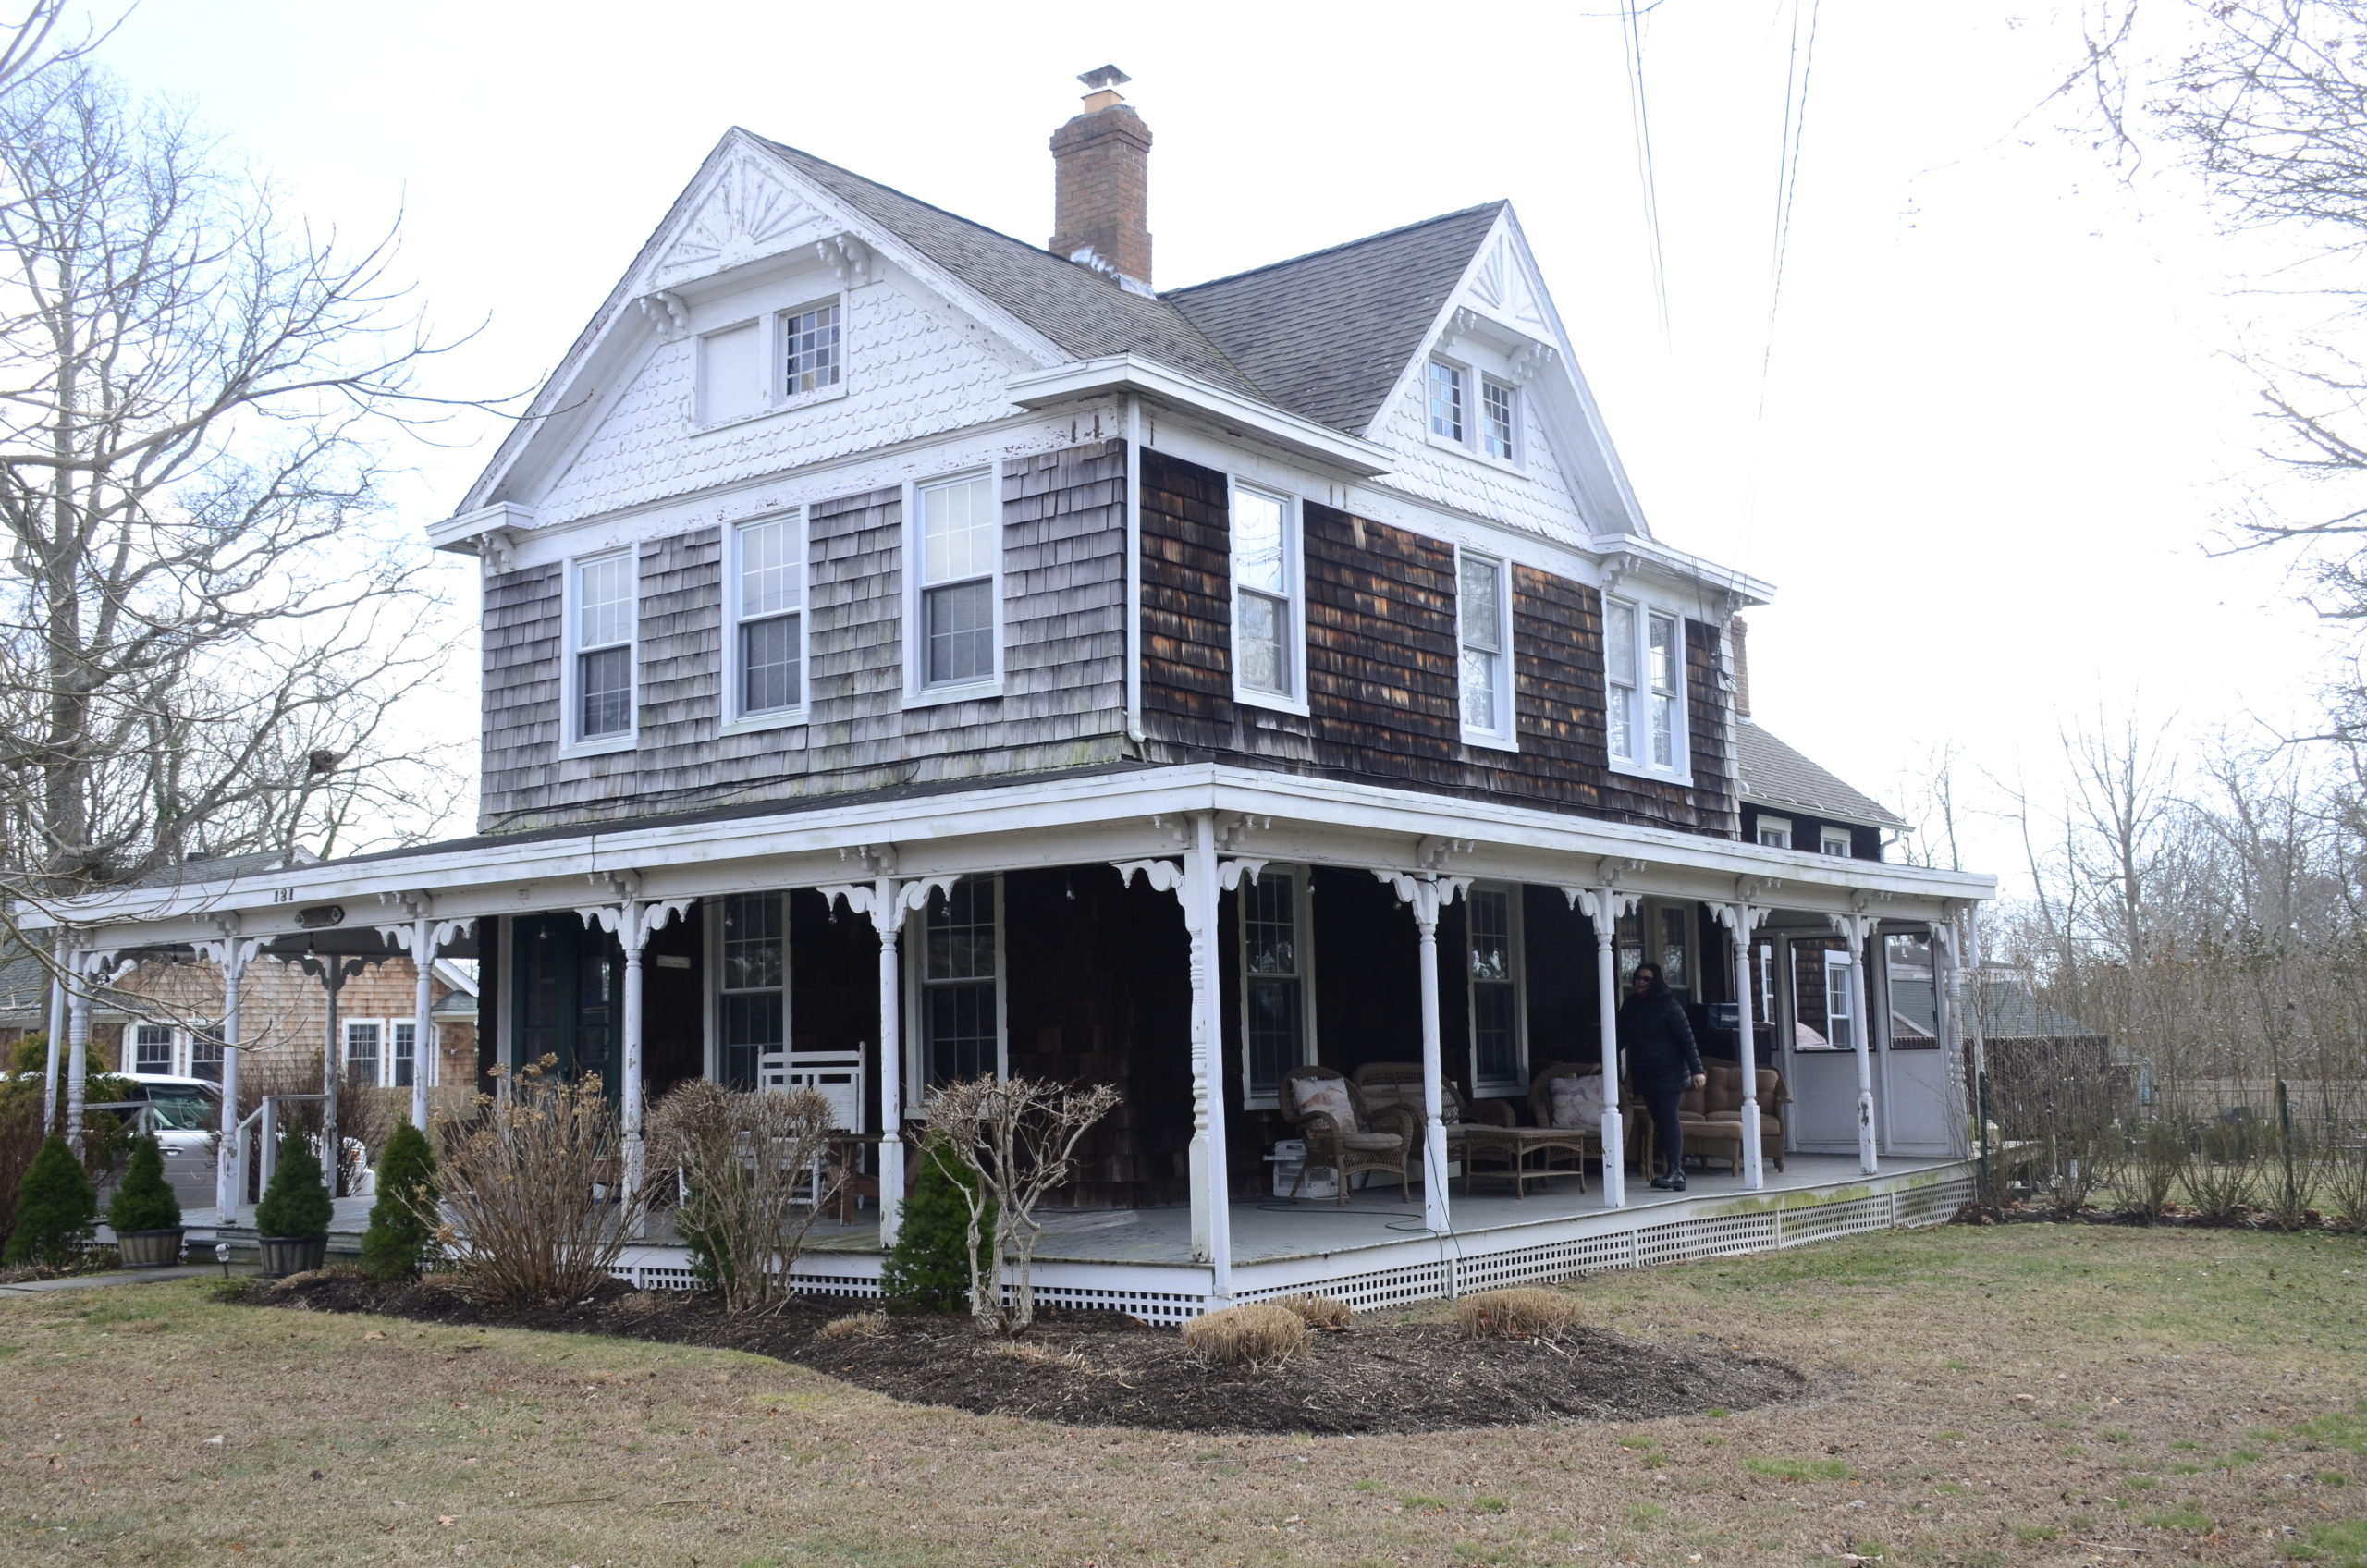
point(777, 396)
point(383, 1074)
point(1302, 931)
point(1638, 683)
point(418, 1065)
point(711, 1002)
point(1466, 385)
point(1837, 964)
point(1827, 837)
point(1516, 457)
point(1293, 595)
point(772, 395)
point(916, 964)
point(1518, 1084)
point(1782, 825)
point(1503, 734)
point(176, 1048)
point(918, 693)
point(737, 720)
point(572, 743)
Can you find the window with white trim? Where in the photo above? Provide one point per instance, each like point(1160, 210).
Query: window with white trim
point(959, 1001)
point(1840, 1009)
point(731, 372)
point(1483, 613)
point(1500, 420)
point(403, 1036)
point(205, 1058)
point(1660, 932)
point(752, 984)
point(811, 358)
point(768, 645)
point(1276, 962)
point(1499, 1042)
point(604, 606)
point(1833, 840)
point(1643, 676)
point(363, 1039)
point(1445, 381)
point(958, 536)
point(1775, 832)
point(152, 1047)
point(1266, 661)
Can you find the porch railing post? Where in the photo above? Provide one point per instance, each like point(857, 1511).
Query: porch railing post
point(888, 914)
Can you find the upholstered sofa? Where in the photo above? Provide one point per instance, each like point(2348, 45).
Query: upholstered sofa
point(1712, 1116)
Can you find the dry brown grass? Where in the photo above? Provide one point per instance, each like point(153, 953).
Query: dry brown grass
point(854, 1324)
point(1524, 1312)
point(1259, 1334)
point(1319, 1312)
point(2000, 1396)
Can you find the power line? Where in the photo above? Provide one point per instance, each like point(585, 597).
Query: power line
point(1798, 68)
point(1631, 28)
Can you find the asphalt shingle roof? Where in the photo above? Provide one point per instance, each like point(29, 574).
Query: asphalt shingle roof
point(1327, 334)
point(1775, 775)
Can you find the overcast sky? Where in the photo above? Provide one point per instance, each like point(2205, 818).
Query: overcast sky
point(1979, 460)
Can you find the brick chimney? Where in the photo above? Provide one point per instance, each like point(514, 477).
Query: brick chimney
point(1101, 182)
point(1738, 638)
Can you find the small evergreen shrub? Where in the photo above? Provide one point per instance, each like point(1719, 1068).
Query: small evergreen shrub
point(55, 1209)
point(925, 1271)
point(143, 1200)
point(402, 1220)
point(296, 1206)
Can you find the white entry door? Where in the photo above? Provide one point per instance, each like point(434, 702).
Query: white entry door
point(1820, 1058)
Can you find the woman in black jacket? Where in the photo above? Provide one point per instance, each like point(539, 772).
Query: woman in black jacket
point(1663, 1062)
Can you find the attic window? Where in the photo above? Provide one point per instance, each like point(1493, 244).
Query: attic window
point(1500, 422)
point(810, 349)
point(1833, 840)
point(1775, 832)
point(1446, 400)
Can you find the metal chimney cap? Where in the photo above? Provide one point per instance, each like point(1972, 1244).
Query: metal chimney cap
point(1101, 78)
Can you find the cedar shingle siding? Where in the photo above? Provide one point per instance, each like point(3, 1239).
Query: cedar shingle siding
point(1382, 688)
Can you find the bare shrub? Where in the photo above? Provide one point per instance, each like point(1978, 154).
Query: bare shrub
point(1260, 1334)
point(1319, 1312)
point(854, 1325)
point(2343, 1188)
point(2153, 1167)
point(2224, 1179)
point(1017, 1138)
point(1525, 1313)
point(2296, 1153)
point(753, 1169)
point(520, 1220)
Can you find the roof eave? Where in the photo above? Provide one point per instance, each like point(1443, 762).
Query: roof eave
point(1171, 388)
point(1824, 813)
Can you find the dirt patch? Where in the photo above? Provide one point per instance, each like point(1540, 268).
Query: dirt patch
point(1104, 1369)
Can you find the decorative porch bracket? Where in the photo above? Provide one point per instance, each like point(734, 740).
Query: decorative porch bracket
point(1742, 917)
point(1856, 930)
point(885, 901)
point(91, 969)
point(422, 937)
point(1602, 907)
point(1429, 894)
point(229, 953)
point(634, 920)
point(1196, 881)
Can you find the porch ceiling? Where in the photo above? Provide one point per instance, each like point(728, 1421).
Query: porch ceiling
point(1136, 814)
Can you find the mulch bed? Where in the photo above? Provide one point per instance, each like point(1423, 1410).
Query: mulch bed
point(1105, 1369)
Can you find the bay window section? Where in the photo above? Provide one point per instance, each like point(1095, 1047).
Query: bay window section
point(1265, 596)
point(1275, 973)
point(752, 1001)
point(960, 556)
point(959, 1000)
point(1499, 1055)
point(1481, 608)
point(769, 600)
point(603, 612)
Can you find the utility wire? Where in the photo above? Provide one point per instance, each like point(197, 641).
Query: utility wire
point(1798, 68)
point(1631, 28)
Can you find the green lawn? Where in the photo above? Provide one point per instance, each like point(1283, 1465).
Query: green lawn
point(2028, 1395)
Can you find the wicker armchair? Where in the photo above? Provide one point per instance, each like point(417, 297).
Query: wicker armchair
point(1378, 1139)
point(1485, 1136)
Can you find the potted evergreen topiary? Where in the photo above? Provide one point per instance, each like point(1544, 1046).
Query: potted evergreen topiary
point(145, 1214)
point(55, 1208)
point(400, 1231)
point(292, 1222)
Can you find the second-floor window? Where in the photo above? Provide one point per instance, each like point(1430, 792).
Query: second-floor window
point(1833, 840)
point(1482, 609)
point(960, 551)
point(1265, 594)
point(604, 614)
point(1645, 682)
point(1446, 400)
point(1775, 832)
point(769, 603)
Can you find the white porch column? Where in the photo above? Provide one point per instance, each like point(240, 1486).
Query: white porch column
point(1602, 907)
point(229, 953)
point(77, 1059)
point(1944, 1008)
point(888, 919)
point(634, 920)
point(1857, 929)
point(56, 1049)
point(424, 1052)
point(1428, 893)
point(1742, 918)
point(332, 1150)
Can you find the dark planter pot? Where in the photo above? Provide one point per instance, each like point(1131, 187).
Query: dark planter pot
point(283, 1255)
point(149, 1249)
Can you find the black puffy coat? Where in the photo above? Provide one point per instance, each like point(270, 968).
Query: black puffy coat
point(1658, 1041)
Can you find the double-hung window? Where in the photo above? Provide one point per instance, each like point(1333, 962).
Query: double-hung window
point(1276, 964)
point(403, 1035)
point(752, 991)
point(1446, 398)
point(152, 1047)
point(602, 614)
point(1645, 684)
point(1499, 420)
point(811, 361)
point(768, 620)
point(1266, 663)
point(361, 1047)
point(205, 1058)
point(961, 1002)
point(1484, 611)
point(1833, 840)
point(960, 550)
point(1840, 1010)
point(1499, 1055)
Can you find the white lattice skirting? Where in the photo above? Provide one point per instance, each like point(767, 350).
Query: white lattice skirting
point(1432, 1267)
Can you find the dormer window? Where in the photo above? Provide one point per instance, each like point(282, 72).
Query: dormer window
point(1500, 424)
point(1774, 833)
point(1446, 400)
point(1833, 840)
point(810, 349)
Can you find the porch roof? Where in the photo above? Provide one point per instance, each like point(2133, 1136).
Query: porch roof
point(1120, 815)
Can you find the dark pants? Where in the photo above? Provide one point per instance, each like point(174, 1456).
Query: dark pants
point(1662, 1102)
